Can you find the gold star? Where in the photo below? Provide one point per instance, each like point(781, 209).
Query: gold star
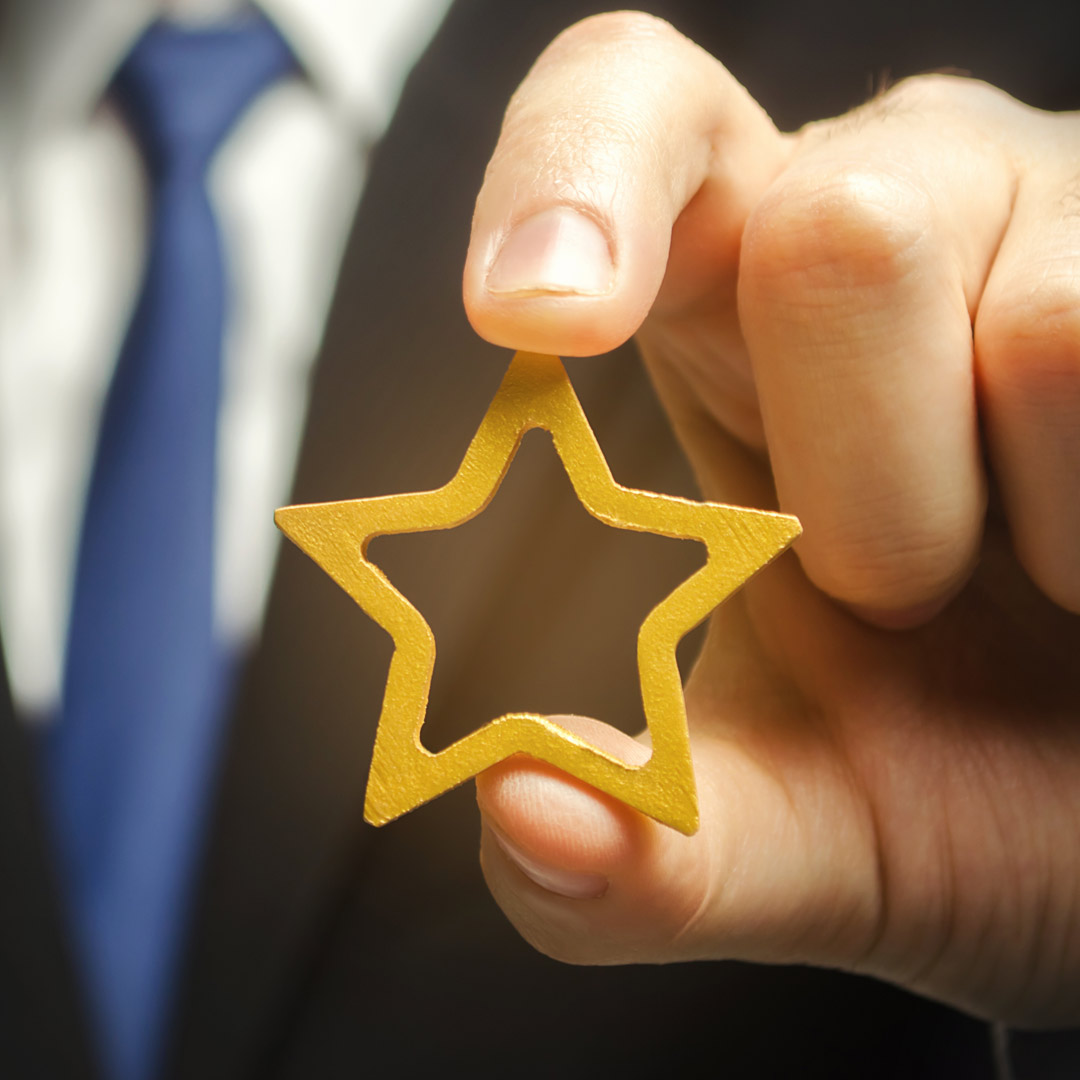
point(535, 393)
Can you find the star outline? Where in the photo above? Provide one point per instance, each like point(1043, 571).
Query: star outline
point(535, 393)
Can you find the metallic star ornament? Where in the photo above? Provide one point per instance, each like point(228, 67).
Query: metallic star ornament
point(535, 393)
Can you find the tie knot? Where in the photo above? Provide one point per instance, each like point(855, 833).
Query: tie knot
point(182, 89)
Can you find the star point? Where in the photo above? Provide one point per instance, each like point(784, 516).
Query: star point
point(535, 393)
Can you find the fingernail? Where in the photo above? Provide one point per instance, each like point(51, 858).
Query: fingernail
point(568, 883)
point(557, 251)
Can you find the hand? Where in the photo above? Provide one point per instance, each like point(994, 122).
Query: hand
point(843, 321)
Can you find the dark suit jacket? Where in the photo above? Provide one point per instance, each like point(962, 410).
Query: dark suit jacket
point(322, 948)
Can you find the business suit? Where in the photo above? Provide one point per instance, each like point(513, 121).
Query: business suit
point(323, 948)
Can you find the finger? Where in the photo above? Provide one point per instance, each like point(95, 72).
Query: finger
point(587, 880)
point(860, 271)
point(621, 123)
point(1027, 339)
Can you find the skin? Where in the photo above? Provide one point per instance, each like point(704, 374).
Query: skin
point(873, 323)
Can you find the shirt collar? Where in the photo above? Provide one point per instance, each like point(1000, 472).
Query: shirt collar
point(59, 55)
point(358, 52)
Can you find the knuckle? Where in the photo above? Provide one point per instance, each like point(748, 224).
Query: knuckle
point(850, 227)
point(933, 89)
point(938, 92)
point(937, 97)
point(1030, 344)
point(877, 565)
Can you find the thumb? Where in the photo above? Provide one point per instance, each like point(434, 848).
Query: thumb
point(619, 126)
point(773, 874)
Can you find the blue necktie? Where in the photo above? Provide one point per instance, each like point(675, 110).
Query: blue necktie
point(131, 756)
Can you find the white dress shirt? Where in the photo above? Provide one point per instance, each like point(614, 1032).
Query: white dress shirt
point(73, 205)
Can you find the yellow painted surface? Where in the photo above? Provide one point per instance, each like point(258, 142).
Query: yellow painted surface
point(536, 393)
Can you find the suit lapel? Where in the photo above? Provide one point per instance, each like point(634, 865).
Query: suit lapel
point(43, 1033)
point(388, 412)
